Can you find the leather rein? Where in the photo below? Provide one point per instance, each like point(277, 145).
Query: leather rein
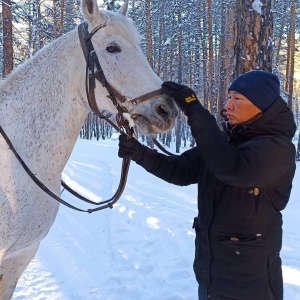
point(122, 103)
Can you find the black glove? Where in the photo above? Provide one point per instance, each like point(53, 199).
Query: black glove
point(130, 148)
point(142, 155)
point(184, 96)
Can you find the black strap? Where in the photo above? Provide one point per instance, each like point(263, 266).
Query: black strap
point(159, 146)
point(104, 204)
point(110, 202)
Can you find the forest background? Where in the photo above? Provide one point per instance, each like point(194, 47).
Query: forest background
point(202, 44)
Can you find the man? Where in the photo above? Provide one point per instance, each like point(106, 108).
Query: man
point(244, 180)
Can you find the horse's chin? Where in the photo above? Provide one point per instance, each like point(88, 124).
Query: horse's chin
point(146, 127)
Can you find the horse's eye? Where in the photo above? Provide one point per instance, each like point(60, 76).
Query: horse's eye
point(113, 49)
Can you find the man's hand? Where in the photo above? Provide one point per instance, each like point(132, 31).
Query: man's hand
point(184, 96)
point(130, 148)
point(142, 155)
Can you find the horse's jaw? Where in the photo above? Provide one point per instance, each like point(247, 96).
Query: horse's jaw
point(144, 126)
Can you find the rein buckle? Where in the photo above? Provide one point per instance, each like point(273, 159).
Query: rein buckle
point(128, 104)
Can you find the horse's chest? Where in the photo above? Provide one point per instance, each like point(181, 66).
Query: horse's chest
point(27, 213)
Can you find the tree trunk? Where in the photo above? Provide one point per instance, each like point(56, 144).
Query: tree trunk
point(8, 63)
point(290, 65)
point(55, 18)
point(149, 46)
point(169, 138)
point(178, 132)
point(203, 39)
point(211, 62)
point(222, 95)
point(34, 28)
point(279, 36)
point(180, 80)
point(298, 148)
point(254, 29)
point(226, 53)
point(61, 19)
point(161, 40)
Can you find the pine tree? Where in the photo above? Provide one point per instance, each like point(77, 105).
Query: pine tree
point(7, 65)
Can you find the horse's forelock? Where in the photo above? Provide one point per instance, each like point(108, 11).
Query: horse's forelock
point(123, 25)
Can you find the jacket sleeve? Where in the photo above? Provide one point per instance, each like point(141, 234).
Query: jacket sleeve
point(180, 170)
point(260, 162)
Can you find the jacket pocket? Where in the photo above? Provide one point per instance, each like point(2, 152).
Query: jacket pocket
point(245, 256)
point(241, 264)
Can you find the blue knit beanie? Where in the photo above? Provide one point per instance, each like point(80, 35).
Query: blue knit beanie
point(260, 87)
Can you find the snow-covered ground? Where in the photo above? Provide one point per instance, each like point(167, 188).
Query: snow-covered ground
point(142, 249)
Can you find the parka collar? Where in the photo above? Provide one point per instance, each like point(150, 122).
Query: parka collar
point(277, 120)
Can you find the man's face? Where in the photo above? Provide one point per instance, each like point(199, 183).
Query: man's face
point(239, 108)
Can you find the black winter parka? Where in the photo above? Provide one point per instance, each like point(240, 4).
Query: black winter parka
point(244, 177)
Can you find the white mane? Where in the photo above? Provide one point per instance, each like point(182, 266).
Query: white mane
point(122, 25)
point(38, 60)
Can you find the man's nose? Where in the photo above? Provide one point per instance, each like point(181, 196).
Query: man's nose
point(228, 104)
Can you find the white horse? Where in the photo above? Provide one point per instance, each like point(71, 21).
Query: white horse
point(43, 106)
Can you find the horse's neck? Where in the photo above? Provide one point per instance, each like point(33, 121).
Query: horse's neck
point(42, 107)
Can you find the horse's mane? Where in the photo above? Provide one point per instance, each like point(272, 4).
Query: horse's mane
point(20, 70)
point(121, 24)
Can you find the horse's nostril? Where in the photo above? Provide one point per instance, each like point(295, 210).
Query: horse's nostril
point(162, 111)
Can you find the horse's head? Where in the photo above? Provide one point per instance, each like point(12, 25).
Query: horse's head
point(126, 69)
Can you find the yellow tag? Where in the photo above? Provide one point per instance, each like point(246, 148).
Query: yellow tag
point(190, 98)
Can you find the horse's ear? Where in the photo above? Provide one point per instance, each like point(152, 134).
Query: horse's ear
point(124, 8)
point(90, 10)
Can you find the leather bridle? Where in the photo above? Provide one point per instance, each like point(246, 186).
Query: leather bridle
point(95, 72)
point(122, 103)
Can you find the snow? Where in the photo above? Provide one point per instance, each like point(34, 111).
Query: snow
point(257, 5)
point(142, 249)
point(168, 41)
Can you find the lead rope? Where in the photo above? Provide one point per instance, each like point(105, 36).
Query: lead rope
point(32, 176)
point(105, 204)
point(90, 85)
